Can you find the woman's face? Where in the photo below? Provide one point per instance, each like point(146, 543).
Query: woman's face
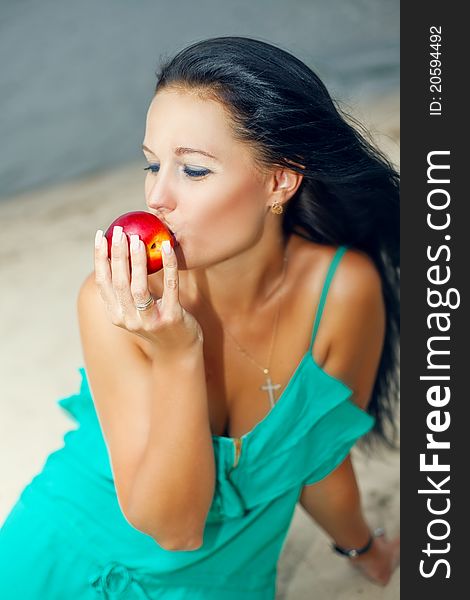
point(215, 205)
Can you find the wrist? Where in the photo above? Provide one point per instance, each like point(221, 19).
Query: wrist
point(189, 356)
point(352, 531)
point(358, 551)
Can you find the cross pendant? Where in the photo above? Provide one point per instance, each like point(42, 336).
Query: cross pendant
point(269, 387)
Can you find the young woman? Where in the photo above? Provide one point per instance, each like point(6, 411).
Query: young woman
point(232, 384)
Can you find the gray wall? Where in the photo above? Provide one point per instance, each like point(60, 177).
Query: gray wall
point(76, 77)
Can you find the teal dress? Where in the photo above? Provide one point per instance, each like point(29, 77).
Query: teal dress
point(66, 536)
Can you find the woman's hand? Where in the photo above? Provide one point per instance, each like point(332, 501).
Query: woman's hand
point(379, 563)
point(166, 324)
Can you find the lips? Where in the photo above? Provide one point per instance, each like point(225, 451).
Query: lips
point(175, 238)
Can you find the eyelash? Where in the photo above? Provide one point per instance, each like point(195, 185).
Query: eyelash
point(193, 173)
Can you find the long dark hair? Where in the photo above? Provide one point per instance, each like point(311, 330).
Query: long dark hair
point(350, 190)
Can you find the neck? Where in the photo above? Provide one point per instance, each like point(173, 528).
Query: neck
point(245, 284)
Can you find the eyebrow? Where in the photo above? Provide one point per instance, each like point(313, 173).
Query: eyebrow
point(180, 150)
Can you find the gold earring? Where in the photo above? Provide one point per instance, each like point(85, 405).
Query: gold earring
point(277, 208)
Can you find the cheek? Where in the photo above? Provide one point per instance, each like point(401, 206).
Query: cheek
point(235, 214)
point(246, 200)
point(219, 222)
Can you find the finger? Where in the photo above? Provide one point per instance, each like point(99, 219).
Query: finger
point(103, 270)
point(170, 297)
point(120, 272)
point(139, 278)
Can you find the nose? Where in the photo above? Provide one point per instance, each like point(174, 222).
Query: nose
point(159, 195)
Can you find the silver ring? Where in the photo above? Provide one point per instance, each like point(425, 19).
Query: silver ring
point(146, 305)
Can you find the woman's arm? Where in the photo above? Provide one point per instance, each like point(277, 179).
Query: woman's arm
point(353, 329)
point(154, 418)
point(356, 333)
point(174, 484)
point(335, 504)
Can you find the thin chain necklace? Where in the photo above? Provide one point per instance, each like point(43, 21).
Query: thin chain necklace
point(269, 386)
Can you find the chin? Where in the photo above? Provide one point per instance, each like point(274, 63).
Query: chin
point(181, 258)
point(188, 259)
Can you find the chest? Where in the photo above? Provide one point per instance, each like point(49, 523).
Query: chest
point(239, 393)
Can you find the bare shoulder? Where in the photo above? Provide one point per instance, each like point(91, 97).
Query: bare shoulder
point(356, 286)
point(92, 312)
point(89, 302)
point(352, 326)
point(90, 306)
point(356, 280)
point(355, 268)
point(88, 290)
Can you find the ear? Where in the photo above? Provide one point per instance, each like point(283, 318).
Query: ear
point(283, 183)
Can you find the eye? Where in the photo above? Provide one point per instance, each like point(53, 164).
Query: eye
point(152, 168)
point(196, 172)
point(193, 173)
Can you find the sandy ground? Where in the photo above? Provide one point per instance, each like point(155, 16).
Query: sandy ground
point(46, 252)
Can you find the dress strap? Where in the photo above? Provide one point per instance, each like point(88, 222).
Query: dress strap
point(329, 276)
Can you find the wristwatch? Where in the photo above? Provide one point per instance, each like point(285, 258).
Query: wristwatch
point(352, 552)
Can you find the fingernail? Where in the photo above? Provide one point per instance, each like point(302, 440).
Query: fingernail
point(98, 238)
point(135, 242)
point(166, 247)
point(117, 234)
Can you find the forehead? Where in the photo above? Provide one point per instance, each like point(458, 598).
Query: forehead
point(183, 118)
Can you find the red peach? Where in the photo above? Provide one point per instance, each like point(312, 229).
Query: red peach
point(150, 230)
